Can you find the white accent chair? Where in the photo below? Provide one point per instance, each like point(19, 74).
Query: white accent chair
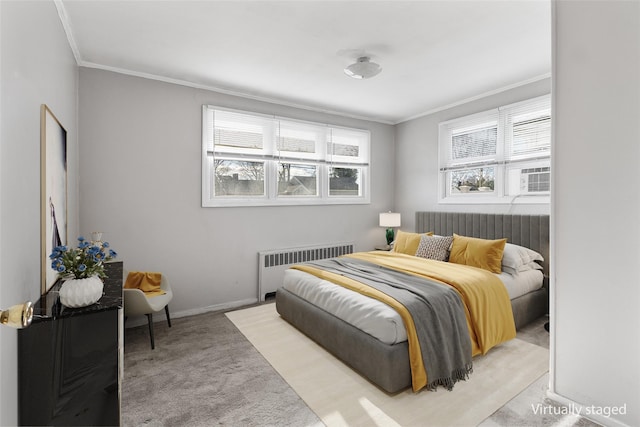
point(137, 303)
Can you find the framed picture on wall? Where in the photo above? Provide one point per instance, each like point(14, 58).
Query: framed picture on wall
point(53, 190)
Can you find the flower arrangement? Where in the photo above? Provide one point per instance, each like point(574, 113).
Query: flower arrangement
point(82, 262)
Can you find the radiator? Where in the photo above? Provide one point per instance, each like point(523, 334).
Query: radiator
point(273, 263)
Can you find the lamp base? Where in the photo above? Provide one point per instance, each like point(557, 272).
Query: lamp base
point(390, 235)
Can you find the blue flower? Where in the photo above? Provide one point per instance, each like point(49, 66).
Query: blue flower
point(84, 261)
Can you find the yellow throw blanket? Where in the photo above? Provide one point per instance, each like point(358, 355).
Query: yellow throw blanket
point(486, 301)
point(489, 313)
point(147, 282)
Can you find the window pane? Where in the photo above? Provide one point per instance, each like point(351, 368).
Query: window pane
point(238, 178)
point(344, 182)
point(474, 143)
point(297, 180)
point(473, 180)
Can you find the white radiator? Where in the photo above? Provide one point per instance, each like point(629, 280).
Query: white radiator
point(273, 263)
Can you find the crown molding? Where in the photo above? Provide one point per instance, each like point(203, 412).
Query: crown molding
point(64, 19)
point(476, 97)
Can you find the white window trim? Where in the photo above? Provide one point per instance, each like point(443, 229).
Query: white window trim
point(271, 198)
point(498, 196)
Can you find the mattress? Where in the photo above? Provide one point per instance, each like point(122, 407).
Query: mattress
point(374, 317)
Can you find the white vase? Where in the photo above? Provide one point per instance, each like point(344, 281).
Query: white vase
point(76, 293)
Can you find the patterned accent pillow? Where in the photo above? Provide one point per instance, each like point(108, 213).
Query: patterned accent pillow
point(434, 247)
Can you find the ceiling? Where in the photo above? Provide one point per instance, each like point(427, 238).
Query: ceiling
point(434, 54)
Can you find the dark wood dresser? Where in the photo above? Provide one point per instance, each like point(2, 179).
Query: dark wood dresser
point(70, 360)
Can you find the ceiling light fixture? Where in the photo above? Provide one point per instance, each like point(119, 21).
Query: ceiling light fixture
point(363, 68)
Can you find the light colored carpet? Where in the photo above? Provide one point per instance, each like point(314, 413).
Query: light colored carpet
point(341, 397)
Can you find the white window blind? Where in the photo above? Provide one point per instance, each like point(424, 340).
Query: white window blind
point(299, 140)
point(252, 159)
point(237, 132)
point(473, 144)
point(528, 130)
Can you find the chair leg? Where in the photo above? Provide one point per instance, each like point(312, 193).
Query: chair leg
point(150, 319)
point(166, 310)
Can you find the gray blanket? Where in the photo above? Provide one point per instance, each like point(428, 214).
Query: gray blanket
point(436, 309)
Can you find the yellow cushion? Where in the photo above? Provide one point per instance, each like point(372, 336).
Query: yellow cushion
point(148, 282)
point(482, 253)
point(407, 243)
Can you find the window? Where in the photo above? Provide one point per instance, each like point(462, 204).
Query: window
point(256, 160)
point(497, 156)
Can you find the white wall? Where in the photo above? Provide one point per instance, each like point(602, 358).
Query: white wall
point(36, 67)
point(596, 207)
point(141, 185)
point(417, 157)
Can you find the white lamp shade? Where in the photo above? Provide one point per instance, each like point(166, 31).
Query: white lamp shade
point(389, 219)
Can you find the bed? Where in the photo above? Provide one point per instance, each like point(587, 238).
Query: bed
point(385, 361)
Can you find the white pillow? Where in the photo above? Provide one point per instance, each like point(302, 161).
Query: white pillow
point(518, 258)
point(525, 267)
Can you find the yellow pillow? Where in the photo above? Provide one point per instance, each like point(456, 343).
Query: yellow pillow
point(407, 243)
point(482, 253)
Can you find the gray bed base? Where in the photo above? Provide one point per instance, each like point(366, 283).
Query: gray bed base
point(387, 366)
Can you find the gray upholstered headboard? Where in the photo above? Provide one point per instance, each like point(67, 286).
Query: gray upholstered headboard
point(531, 231)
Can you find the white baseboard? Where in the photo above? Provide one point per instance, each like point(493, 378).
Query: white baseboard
point(586, 411)
point(160, 316)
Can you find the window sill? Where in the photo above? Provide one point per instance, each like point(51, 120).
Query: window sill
point(494, 200)
point(237, 203)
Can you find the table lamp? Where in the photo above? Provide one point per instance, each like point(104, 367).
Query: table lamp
point(390, 220)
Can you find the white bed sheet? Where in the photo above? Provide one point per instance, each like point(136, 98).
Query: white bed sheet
point(372, 316)
point(522, 283)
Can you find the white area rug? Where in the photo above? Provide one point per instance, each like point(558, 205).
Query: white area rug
point(341, 397)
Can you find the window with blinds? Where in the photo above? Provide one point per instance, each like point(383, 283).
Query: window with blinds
point(472, 144)
point(497, 155)
point(254, 160)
